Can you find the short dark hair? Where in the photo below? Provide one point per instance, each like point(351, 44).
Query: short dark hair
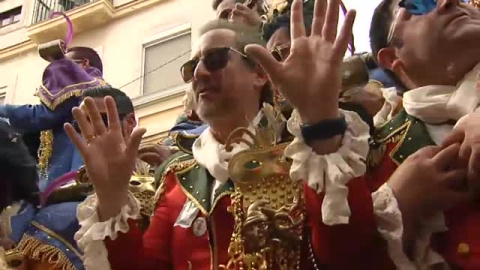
point(124, 103)
point(88, 53)
point(382, 20)
point(260, 9)
point(244, 34)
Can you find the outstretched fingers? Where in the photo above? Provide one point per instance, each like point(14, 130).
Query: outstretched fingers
point(331, 21)
point(112, 114)
point(76, 139)
point(341, 43)
point(134, 142)
point(319, 17)
point(94, 116)
point(297, 26)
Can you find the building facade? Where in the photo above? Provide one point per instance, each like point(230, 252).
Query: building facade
point(142, 44)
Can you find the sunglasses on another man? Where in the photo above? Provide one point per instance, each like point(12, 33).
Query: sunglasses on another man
point(281, 52)
point(421, 7)
point(214, 60)
point(104, 119)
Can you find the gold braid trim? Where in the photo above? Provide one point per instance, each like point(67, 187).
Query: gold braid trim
point(45, 151)
point(96, 83)
point(174, 166)
point(32, 248)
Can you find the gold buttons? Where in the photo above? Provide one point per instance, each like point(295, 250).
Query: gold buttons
point(463, 249)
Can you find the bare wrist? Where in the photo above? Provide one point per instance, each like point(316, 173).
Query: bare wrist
point(111, 206)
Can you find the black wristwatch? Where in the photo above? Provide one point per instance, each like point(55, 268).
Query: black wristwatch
point(323, 130)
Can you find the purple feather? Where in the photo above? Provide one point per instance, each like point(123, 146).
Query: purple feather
point(60, 181)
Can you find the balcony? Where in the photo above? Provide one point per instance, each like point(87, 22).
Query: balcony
point(84, 14)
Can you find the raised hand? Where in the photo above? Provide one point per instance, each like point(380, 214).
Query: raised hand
point(310, 78)
point(154, 155)
point(109, 158)
point(246, 15)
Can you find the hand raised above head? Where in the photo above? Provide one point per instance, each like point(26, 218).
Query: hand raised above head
point(109, 158)
point(310, 77)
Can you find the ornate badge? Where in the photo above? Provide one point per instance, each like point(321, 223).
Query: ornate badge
point(200, 226)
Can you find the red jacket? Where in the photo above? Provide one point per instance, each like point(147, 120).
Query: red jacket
point(165, 246)
point(393, 143)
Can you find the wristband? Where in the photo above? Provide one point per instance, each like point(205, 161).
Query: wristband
point(323, 130)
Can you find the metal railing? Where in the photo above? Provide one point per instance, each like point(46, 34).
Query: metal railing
point(44, 8)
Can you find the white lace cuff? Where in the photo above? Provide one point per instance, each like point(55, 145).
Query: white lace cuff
point(92, 232)
point(390, 227)
point(330, 173)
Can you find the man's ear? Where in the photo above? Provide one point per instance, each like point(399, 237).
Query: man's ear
point(131, 120)
point(262, 78)
point(386, 57)
point(86, 62)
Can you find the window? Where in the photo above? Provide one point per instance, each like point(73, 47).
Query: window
point(163, 58)
point(10, 17)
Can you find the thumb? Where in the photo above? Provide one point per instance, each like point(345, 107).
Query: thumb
point(456, 136)
point(261, 55)
point(135, 140)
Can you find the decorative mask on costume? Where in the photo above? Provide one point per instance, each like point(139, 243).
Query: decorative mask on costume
point(268, 206)
point(142, 186)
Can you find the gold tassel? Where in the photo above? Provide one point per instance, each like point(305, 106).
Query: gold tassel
point(45, 152)
point(32, 248)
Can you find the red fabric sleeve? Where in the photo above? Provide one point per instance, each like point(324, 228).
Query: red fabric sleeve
point(151, 251)
point(353, 245)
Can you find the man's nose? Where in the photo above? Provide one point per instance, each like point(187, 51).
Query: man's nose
point(200, 71)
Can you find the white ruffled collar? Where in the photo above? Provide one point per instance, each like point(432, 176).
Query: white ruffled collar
point(212, 155)
point(435, 104)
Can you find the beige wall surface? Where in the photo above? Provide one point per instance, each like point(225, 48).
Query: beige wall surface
point(120, 44)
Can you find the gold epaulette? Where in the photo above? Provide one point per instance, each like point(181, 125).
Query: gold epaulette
point(184, 141)
point(409, 133)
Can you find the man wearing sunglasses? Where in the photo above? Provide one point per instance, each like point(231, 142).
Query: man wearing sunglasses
point(195, 217)
point(431, 47)
point(246, 11)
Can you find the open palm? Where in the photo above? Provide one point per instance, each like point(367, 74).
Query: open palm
point(310, 78)
point(109, 158)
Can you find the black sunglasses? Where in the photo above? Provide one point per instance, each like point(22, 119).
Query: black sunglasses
point(280, 52)
point(214, 60)
point(104, 117)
